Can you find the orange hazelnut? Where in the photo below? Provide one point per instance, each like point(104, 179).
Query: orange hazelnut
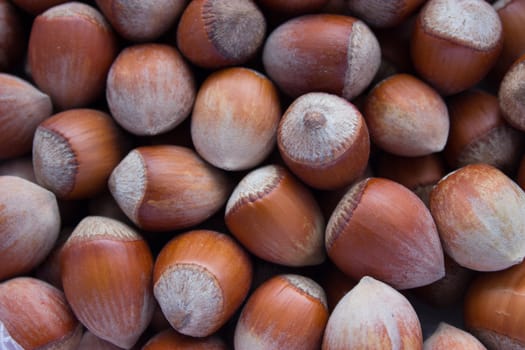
point(141, 20)
point(150, 89)
point(106, 270)
point(324, 53)
point(285, 312)
point(61, 40)
point(37, 7)
point(36, 315)
point(163, 188)
point(493, 308)
point(169, 339)
point(451, 338)
point(406, 117)
point(449, 47)
point(373, 315)
point(29, 225)
point(480, 134)
point(382, 229)
point(75, 151)
point(512, 16)
point(510, 94)
point(276, 218)
point(218, 33)
point(323, 139)
point(418, 174)
point(381, 13)
point(480, 215)
point(12, 36)
point(22, 108)
point(235, 118)
point(200, 279)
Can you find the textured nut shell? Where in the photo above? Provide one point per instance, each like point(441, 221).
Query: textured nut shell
point(480, 215)
point(140, 20)
point(455, 43)
point(451, 338)
point(61, 38)
point(235, 118)
point(200, 279)
point(162, 188)
point(324, 140)
point(330, 53)
point(381, 229)
point(218, 33)
point(37, 316)
point(493, 308)
point(106, 274)
point(170, 339)
point(150, 89)
point(285, 312)
point(22, 108)
point(373, 315)
point(29, 225)
point(75, 151)
point(276, 218)
point(479, 134)
point(511, 93)
point(406, 117)
point(383, 13)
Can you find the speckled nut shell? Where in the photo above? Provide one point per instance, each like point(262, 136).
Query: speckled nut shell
point(324, 140)
point(322, 52)
point(219, 33)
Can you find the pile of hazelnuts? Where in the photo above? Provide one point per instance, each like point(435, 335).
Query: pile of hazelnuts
point(262, 174)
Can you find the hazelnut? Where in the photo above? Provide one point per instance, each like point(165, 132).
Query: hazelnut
point(22, 108)
point(324, 53)
point(219, 33)
point(163, 188)
point(13, 39)
point(200, 279)
point(75, 151)
point(61, 39)
point(285, 312)
point(235, 118)
point(323, 139)
point(36, 315)
point(384, 13)
point(106, 269)
point(510, 94)
point(276, 218)
point(29, 225)
point(170, 339)
point(406, 117)
point(383, 230)
point(452, 338)
point(150, 89)
point(449, 47)
point(480, 215)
